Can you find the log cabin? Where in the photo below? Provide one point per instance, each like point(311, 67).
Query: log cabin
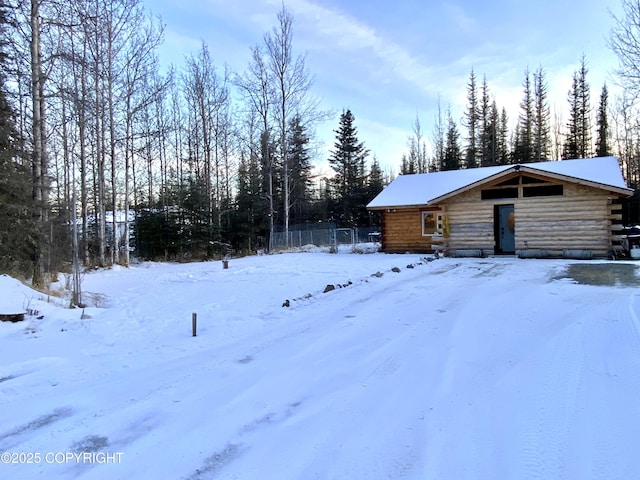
point(568, 208)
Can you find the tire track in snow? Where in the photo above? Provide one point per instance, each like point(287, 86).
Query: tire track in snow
point(634, 324)
point(554, 418)
point(22, 433)
point(291, 342)
point(363, 291)
point(625, 330)
point(381, 368)
point(382, 457)
point(603, 451)
point(622, 333)
point(388, 356)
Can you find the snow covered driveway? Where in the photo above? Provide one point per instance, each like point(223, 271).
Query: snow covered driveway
point(453, 369)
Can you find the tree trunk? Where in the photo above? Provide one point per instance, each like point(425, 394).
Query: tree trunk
point(39, 164)
point(115, 256)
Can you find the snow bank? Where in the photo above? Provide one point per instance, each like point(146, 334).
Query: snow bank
point(14, 296)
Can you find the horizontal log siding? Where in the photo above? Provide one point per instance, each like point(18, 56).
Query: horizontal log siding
point(470, 222)
point(579, 219)
point(402, 231)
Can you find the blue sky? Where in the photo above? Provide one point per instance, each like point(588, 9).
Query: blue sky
point(390, 60)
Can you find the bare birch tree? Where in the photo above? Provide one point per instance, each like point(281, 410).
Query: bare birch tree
point(438, 138)
point(624, 41)
point(291, 83)
point(39, 156)
point(257, 91)
point(207, 98)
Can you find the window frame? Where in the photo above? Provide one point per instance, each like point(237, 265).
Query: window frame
point(438, 222)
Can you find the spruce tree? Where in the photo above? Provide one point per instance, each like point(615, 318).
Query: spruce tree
point(492, 139)
point(503, 138)
point(578, 138)
point(487, 134)
point(584, 145)
point(541, 114)
point(19, 233)
point(523, 146)
point(18, 236)
point(472, 122)
point(375, 180)
point(407, 166)
point(250, 219)
point(347, 160)
point(452, 151)
point(570, 146)
point(603, 148)
point(299, 171)
point(414, 161)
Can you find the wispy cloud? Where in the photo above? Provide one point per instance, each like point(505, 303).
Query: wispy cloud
point(461, 21)
point(388, 61)
point(336, 30)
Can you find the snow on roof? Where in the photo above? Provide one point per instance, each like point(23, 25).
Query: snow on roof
point(421, 189)
point(603, 170)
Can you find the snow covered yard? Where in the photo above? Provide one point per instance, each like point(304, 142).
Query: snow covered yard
point(453, 369)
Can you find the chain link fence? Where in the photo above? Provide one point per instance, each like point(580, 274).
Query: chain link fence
point(322, 235)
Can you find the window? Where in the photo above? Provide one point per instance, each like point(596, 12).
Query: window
point(522, 186)
point(511, 181)
point(526, 180)
point(543, 191)
point(431, 223)
point(493, 194)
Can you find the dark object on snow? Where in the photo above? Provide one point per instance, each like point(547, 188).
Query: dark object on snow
point(410, 266)
point(377, 274)
point(395, 269)
point(286, 303)
point(328, 288)
point(11, 317)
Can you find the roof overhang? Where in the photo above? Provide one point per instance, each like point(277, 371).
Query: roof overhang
point(627, 192)
point(402, 207)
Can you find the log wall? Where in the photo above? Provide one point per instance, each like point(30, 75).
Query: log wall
point(402, 231)
point(580, 219)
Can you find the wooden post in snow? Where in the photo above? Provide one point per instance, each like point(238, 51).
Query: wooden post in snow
point(194, 323)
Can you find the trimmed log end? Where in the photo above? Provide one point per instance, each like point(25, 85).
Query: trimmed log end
point(11, 317)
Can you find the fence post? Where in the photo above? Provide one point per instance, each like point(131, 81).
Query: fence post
point(194, 323)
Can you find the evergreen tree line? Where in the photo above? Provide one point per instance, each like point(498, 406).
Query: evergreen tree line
point(484, 138)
